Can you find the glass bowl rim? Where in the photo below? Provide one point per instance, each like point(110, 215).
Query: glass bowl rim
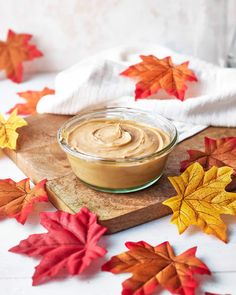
point(84, 115)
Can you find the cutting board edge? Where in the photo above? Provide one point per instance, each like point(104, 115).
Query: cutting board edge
point(16, 159)
point(114, 224)
point(56, 201)
point(135, 218)
point(121, 222)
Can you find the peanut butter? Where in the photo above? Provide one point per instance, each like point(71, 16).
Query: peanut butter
point(120, 143)
point(113, 139)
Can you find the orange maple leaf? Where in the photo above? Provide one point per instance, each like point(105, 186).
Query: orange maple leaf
point(154, 74)
point(14, 52)
point(153, 266)
point(32, 98)
point(17, 199)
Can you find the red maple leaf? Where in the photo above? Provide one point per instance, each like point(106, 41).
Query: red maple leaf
point(70, 244)
point(154, 74)
point(153, 266)
point(14, 52)
point(17, 199)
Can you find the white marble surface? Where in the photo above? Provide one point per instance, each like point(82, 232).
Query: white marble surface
point(16, 270)
point(68, 30)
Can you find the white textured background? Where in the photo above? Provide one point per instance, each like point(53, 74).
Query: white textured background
point(68, 30)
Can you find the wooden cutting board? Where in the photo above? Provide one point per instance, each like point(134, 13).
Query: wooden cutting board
point(39, 156)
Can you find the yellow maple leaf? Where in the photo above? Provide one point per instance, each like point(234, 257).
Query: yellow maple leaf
point(8, 134)
point(201, 199)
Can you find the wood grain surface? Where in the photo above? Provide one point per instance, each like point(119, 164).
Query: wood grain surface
point(39, 156)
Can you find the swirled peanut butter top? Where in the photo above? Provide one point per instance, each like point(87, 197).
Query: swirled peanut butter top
point(113, 139)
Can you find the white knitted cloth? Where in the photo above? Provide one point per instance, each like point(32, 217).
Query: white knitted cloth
point(95, 82)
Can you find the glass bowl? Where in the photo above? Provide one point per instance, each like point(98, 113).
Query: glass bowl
point(118, 175)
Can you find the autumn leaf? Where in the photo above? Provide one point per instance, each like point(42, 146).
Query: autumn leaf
point(14, 52)
point(153, 74)
point(70, 244)
point(218, 152)
point(32, 98)
point(17, 199)
point(8, 134)
point(153, 266)
point(201, 199)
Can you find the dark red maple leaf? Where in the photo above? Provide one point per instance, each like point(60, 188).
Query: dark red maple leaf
point(218, 152)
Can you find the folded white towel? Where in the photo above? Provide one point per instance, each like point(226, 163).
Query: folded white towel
point(95, 82)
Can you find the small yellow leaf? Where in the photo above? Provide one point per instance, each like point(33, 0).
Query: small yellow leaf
point(8, 134)
point(201, 199)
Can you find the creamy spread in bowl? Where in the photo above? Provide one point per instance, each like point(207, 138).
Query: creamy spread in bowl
point(118, 149)
point(115, 138)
